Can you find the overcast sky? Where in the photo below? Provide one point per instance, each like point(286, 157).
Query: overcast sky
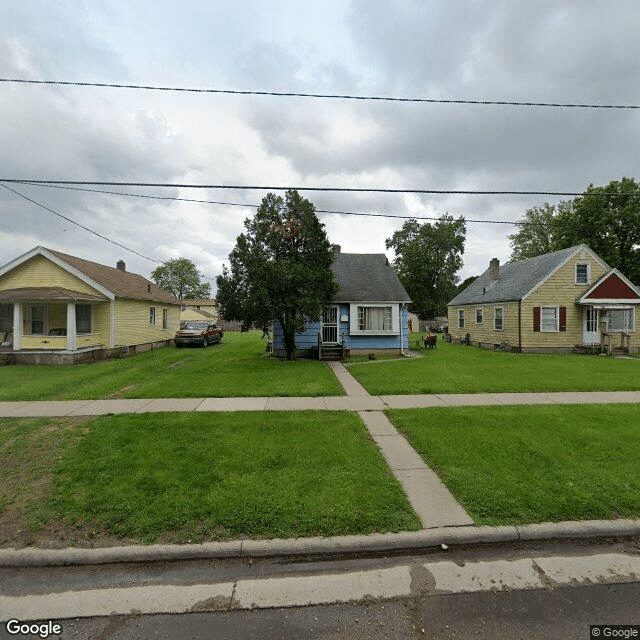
point(580, 51)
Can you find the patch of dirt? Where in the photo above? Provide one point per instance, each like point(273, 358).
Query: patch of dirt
point(119, 394)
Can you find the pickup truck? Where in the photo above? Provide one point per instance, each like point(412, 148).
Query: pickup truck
point(199, 333)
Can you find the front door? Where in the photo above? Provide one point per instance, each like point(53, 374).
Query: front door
point(330, 325)
point(590, 329)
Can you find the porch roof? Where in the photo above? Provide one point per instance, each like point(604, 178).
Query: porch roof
point(47, 294)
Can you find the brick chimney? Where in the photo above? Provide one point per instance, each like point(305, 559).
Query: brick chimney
point(494, 269)
point(120, 265)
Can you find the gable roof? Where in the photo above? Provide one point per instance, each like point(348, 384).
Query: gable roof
point(367, 277)
point(517, 279)
point(612, 286)
point(110, 281)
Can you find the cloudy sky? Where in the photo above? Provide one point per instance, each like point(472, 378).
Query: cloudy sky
point(581, 51)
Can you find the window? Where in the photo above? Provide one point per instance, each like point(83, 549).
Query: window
point(460, 318)
point(582, 273)
point(479, 315)
point(83, 318)
point(374, 319)
point(6, 318)
point(152, 315)
point(619, 320)
point(165, 318)
point(498, 324)
point(549, 319)
point(37, 319)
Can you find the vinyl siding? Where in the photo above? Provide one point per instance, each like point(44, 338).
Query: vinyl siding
point(132, 322)
point(484, 334)
point(40, 272)
point(560, 290)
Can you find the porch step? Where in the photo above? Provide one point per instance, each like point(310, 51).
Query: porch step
point(331, 352)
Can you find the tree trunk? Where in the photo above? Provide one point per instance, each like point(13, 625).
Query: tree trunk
point(289, 338)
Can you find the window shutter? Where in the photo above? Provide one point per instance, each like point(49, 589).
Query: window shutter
point(563, 318)
point(536, 318)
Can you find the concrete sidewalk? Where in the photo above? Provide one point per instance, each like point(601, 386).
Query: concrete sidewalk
point(60, 408)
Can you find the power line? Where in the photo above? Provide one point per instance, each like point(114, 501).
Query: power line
point(95, 233)
point(246, 204)
point(325, 96)
point(473, 192)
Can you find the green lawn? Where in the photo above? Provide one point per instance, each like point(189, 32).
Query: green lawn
point(236, 367)
point(454, 368)
point(218, 476)
point(519, 465)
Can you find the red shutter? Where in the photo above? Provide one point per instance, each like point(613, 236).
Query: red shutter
point(563, 318)
point(536, 318)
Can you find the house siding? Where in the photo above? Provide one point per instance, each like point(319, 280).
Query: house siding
point(132, 322)
point(484, 334)
point(40, 272)
point(308, 339)
point(559, 290)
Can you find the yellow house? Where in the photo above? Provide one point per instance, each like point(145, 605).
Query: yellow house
point(560, 301)
point(56, 308)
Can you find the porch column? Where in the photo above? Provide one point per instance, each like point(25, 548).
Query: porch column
point(17, 325)
point(71, 326)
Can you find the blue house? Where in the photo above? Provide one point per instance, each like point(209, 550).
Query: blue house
point(369, 315)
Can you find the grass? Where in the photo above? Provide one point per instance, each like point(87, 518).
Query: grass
point(519, 465)
point(174, 477)
point(454, 368)
point(234, 368)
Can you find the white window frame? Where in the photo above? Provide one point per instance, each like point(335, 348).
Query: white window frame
point(90, 318)
point(588, 274)
point(629, 325)
point(495, 319)
point(152, 316)
point(460, 318)
point(555, 326)
point(354, 325)
point(481, 310)
point(165, 318)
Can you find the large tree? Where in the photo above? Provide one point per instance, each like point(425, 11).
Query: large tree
point(180, 277)
point(607, 219)
point(428, 258)
point(279, 269)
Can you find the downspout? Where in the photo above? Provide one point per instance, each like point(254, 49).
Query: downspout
point(401, 342)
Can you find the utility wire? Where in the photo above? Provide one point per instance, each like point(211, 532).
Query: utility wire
point(246, 204)
point(278, 188)
point(325, 96)
point(95, 233)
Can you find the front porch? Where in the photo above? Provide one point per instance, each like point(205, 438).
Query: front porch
point(51, 322)
point(608, 327)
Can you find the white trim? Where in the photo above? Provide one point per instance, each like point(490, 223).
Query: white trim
point(41, 251)
point(461, 317)
point(481, 309)
point(557, 309)
point(580, 247)
point(155, 316)
point(583, 299)
point(353, 321)
point(501, 318)
point(71, 326)
point(575, 272)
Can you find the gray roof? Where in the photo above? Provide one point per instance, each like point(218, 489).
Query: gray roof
point(516, 279)
point(367, 277)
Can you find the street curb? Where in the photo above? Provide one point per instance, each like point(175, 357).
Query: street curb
point(410, 541)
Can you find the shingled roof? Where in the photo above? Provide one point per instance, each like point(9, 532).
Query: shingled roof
point(516, 279)
point(121, 284)
point(367, 277)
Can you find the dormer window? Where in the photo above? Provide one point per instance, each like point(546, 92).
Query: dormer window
point(582, 273)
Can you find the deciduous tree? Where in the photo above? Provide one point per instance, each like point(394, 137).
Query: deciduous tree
point(180, 277)
point(279, 269)
point(428, 258)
